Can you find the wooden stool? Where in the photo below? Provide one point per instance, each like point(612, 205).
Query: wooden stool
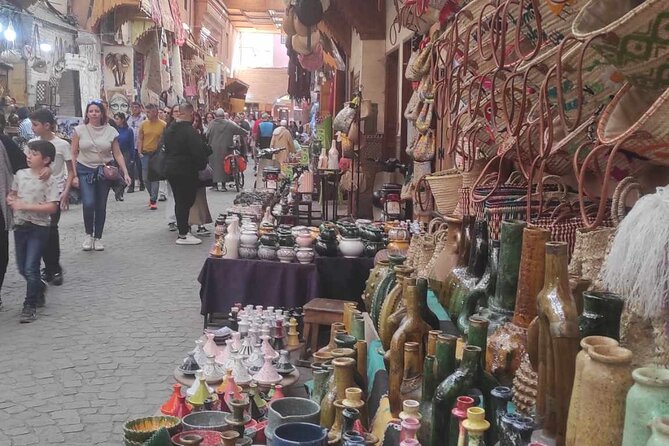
point(319, 312)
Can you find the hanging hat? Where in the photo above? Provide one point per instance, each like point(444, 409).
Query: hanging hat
point(310, 12)
point(289, 22)
point(305, 45)
point(300, 28)
point(313, 61)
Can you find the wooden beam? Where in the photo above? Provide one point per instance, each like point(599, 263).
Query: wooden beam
point(365, 16)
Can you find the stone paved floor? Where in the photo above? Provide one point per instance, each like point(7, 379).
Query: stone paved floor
point(104, 347)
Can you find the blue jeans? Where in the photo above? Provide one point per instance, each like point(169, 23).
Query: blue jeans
point(94, 193)
point(152, 187)
point(30, 243)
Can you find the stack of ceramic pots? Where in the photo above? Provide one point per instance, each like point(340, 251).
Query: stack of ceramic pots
point(398, 241)
point(303, 245)
point(373, 240)
point(350, 245)
point(268, 246)
point(248, 241)
point(286, 251)
point(326, 243)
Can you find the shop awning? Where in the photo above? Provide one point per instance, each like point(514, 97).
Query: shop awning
point(236, 88)
point(104, 7)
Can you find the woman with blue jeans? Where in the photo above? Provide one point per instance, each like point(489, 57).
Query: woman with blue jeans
point(95, 144)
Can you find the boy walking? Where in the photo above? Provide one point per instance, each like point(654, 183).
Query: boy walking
point(32, 201)
point(44, 122)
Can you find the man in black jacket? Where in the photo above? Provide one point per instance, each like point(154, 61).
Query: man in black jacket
point(185, 156)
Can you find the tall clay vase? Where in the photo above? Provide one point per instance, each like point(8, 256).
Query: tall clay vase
point(460, 268)
point(375, 275)
point(412, 377)
point(343, 379)
point(583, 357)
point(647, 399)
point(605, 381)
point(501, 306)
point(427, 392)
point(507, 345)
point(412, 329)
point(447, 258)
point(392, 302)
point(601, 314)
point(557, 346)
point(660, 435)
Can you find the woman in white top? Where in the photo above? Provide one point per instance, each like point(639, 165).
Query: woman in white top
point(95, 144)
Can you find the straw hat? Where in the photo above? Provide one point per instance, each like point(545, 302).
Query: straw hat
point(304, 45)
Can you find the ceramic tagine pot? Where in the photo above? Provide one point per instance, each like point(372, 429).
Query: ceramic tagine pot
point(304, 255)
point(248, 251)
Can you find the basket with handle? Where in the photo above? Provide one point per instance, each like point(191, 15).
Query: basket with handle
point(445, 186)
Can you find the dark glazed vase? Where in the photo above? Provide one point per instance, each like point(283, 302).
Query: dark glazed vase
point(483, 291)
point(601, 315)
point(516, 430)
point(500, 397)
point(386, 284)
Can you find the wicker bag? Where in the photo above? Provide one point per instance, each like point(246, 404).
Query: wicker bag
point(445, 186)
point(631, 37)
point(425, 146)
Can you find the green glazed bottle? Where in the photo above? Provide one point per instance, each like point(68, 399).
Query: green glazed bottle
point(429, 386)
point(465, 281)
point(468, 375)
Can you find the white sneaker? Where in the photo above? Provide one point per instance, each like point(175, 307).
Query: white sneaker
point(88, 243)
point(97, 245)
point(189, 239)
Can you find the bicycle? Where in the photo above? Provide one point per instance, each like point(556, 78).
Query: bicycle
point(234, 165)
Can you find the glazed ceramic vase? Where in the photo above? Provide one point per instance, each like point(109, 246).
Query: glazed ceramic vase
point(462, 281)
point(501, 306)
point(507, 345)
point(427, 393)
point(267, 252)
point(605, 381)
point(412, 329)
point(476, 426)
point(460, 269)
point(342, 380)
point(447, 258)
point(647, 399)
point(377, 273)
point(557, 344)
point(412, 377)
point(500, 396)
point(467, 376)
point(525, 387)
point(384, 287)
point(660, 432)
point(231, 241)
point(516, 430)
point(393, 309)
point(575, 402)
point(601, 314)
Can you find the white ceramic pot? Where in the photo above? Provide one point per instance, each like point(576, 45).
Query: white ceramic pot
point(286, 254)
point(305, 255)
point(304, 240)
point(248, 237)
point(351, 247)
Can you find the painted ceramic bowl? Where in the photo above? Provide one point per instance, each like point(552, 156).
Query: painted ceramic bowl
point(211, 420)
point(248, 251)
point(305, 255)
point(304, 240)
point(267, 252)
point(141, 429)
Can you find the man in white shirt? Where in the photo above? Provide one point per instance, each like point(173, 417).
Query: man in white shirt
point(134, 121)
point(62, 171)
point(25, 125)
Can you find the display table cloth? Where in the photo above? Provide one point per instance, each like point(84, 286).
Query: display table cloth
point(225, 282)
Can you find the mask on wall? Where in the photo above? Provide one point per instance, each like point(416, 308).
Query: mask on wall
point(119, 104)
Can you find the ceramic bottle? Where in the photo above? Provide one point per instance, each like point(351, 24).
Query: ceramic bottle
point(412, 378)
point(427, 392)
point(375, 276)
point(601, 314)
point(343, 379)
point(323, 159)
point(458, 415)
point(575, 402)
point(500, 307)
point(647, 399)
point(464, 297)
point(447, 258)
point(500, 396)
point(445, 356)
point(557, 343)
point(605, 381)
point(393, 310)
point(412, 329)
point(660, 429)
point(507, 345)
point(516, 430)
point(456, 384)
point(231, 241)
point(476, 426)
point(333, 156)
point(462, 281)
point(384, 287)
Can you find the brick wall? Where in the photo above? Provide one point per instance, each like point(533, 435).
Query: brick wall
point(266, 85)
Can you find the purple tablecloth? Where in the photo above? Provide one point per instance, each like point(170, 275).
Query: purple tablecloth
point(225, 282)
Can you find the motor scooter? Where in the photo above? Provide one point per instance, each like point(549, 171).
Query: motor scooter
point(386, 201)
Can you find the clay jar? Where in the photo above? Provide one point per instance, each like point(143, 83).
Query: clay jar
point(605, 380)
point(375, 275)
point(304, 239)
point(575, 403)
point(647, 399)
point(343, 379)
point(351, 247)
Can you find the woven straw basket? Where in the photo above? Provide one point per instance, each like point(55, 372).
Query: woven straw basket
point(633, 38)
point(636, 112)
point(445, 186)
